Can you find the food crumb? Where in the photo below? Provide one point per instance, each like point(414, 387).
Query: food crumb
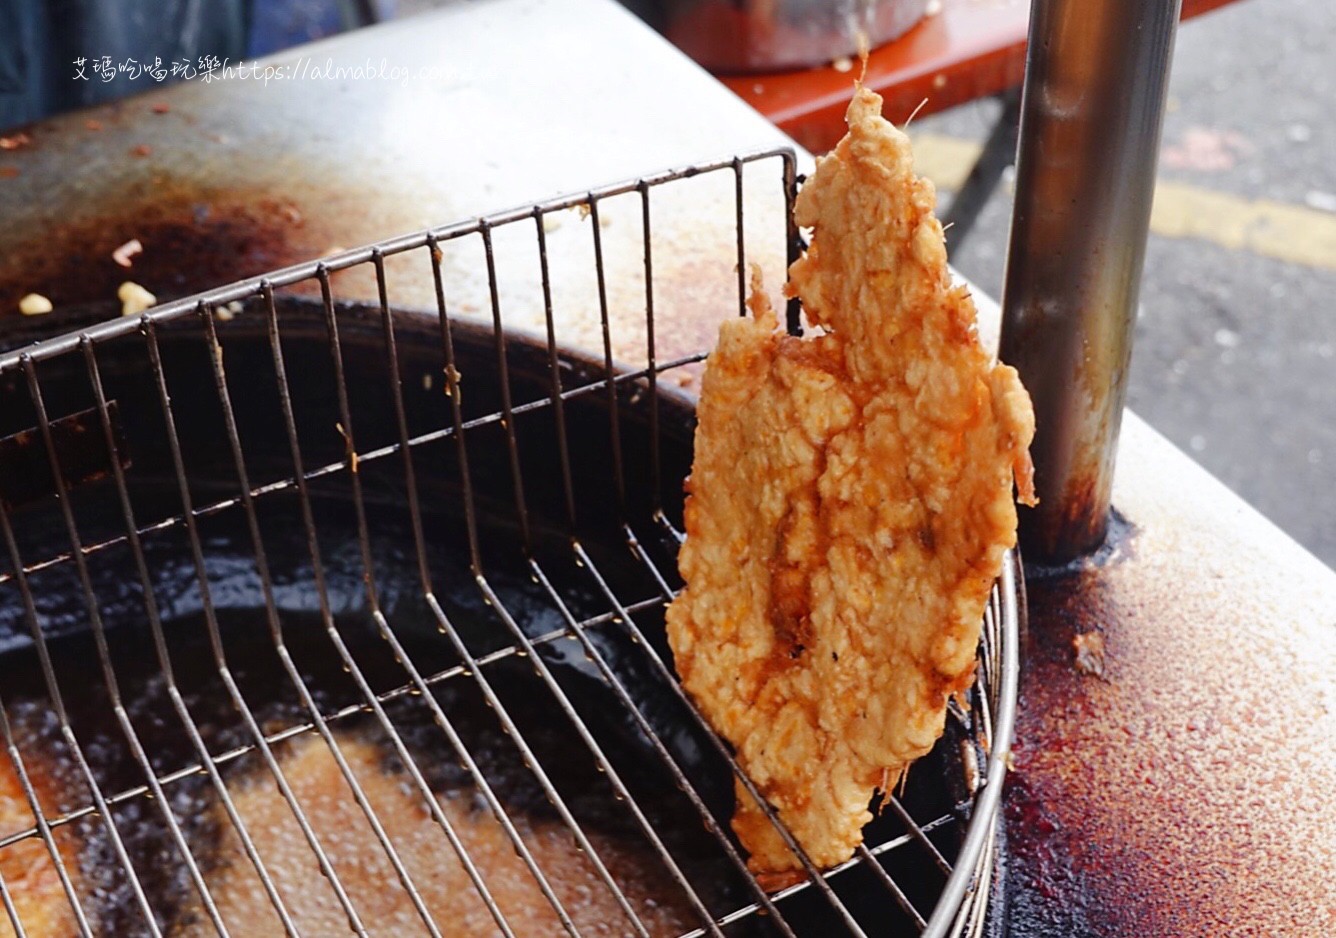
point(134, 299)
point(34, 304)
point(1089, 650)
point(551, 222)
point(162, 107)
point(91, 124)
point(970, 761)
point(843, 64)
point(142, 149)
point(8, 172)
point(123, 254)
point(15, 141)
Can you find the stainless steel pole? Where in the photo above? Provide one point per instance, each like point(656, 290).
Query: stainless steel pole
point(1093, 105)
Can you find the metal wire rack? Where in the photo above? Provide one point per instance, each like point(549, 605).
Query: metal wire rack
point(265, 543)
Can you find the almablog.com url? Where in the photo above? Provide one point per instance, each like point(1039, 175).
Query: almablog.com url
point(305, 68)
point(210, 68)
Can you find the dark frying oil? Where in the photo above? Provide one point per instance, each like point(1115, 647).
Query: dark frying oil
point(282, 692)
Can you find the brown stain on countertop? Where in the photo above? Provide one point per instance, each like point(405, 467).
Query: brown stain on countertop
point(193, 239)
point(1187, 792)
point(211, 200)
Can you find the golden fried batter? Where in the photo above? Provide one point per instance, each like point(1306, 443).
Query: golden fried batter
point(848, 508)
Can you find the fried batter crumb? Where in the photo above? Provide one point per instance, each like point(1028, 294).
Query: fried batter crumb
point(1088, 650)
point(848, 508)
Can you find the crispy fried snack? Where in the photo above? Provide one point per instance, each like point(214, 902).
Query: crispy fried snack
point(848, 508)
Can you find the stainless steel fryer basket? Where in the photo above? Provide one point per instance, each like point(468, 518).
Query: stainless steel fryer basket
point(400, 503)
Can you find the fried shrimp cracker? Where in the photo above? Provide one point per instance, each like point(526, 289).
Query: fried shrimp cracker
point(848, 508)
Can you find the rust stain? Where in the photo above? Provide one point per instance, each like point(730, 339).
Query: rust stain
point(1071, 515)
point(1154, 801)
point(133, 170)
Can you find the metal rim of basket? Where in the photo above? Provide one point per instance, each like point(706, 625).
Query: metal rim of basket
point(962, 905)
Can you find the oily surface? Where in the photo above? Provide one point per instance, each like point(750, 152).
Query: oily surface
point(28, 867)
point(849, 505)
point(447, 891)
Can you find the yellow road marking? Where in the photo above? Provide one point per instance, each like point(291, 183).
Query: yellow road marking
point(1290, 233)
point(944, 160)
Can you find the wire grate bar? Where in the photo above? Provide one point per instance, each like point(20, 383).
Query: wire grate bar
point(317, 570)
point(679, 776)
point(918, 834)
point(503, 382)
point(160, 645)
point(197, 553)
point(746, 911)
point(104, 654)
point(719, 745)
point(651, 355)
point(351, 460)
point(452, 378)
point(609, 368)
point(401, 424)
point(582, 730)
point(10, 912)
point(342, 714)
point(43, 829)
point(870, 862)
point(554, 368)
point(343, 465)
point(739, 231)
point(372, 703)
point(66, 730)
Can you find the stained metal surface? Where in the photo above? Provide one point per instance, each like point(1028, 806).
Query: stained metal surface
point(1187, 791)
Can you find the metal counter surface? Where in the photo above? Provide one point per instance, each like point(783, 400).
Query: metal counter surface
point(1187, 791)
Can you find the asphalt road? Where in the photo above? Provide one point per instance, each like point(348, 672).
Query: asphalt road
point(1235, 348)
